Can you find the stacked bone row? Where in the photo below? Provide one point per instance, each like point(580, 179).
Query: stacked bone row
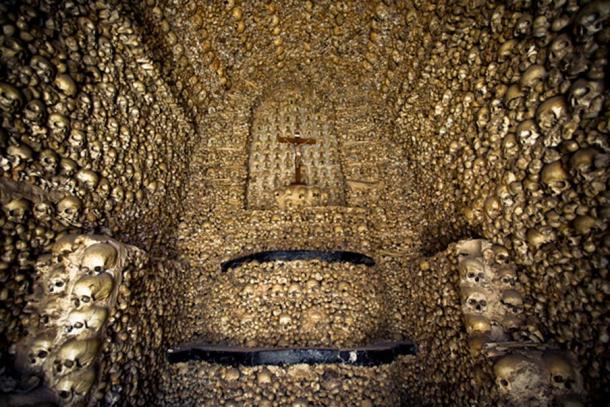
point(295, 303)
point(74, 294)
point(492, 299)
point(527, 370)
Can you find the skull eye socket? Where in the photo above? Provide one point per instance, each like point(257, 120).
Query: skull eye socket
point(472, 301)
point(64, 394)
point(78, 325)
point(85, 299)
point(471, 275)
point(558, 379)
point(59, 284)
point(69, 363)
point(42, 354)
point(483, 303)
point(504, 382)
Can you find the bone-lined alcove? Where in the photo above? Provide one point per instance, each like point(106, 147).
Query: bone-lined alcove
point(193, 146)
point(293, 151)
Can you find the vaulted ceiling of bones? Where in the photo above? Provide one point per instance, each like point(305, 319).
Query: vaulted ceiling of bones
point(303, 203)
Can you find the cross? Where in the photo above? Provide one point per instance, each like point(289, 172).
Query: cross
point(297, 141)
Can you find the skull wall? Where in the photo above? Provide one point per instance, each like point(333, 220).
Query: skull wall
point(85, 146)
point(475, 118)
point(522, 139)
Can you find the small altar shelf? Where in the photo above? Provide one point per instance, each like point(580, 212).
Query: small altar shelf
point(290, 255)
point(371, 355)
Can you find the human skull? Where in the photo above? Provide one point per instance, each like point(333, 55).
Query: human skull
point(506, 49)
point(103, 188)
point(76, 354)
point(43, 68)
point(501, 254)
point(472, 272)
point(552, 112)
point(516, 374)
point(298, 196)
point(11, 98)
point(541, 26)
point(492, 206)
point(507, 277)
point(118, 194)
point(69, 209)
point(17, 210)
point(523, 25)
point(43, 211)
point(93, 288)
point(472, 247)
point(109, 90)
point(77, 139)
point(19, 154)
point(533, 76)
point(510, 146)
point(65, 84)
point(49, 310)
point(75, 386)
point(49, 160)
point(555, 177)
point(560, 48)
point(477, 324)
point(67, 166)
point(586, 97)
point(59, 126)
point(64, 244)
point(590, 19)
point(83, 105)
point(539, 236)
point(527, 132)
point(96, 149)
point(582, 160)
point(512, 301)
point(99, 257)
point(483, 116)
point(562, 375)
point(476, 301)
point(91, 319)
point(35, 111)
point(88, 178)
point(58, 280)
point(40, 349)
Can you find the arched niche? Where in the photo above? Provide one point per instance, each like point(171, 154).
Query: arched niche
point(293, 152)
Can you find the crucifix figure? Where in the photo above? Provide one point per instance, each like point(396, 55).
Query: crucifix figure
point(297, 141)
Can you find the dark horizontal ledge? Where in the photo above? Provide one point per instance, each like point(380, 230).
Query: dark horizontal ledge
point(287, 255)
point(371, 355)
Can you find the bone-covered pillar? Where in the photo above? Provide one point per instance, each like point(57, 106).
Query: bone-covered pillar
point(73, 298)
point(527, 370)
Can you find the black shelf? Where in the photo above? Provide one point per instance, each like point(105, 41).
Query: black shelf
point(371, 355)
point(288, 255)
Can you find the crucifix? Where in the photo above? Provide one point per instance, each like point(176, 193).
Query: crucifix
point(297, 141)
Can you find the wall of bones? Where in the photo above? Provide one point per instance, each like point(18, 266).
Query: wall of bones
point(462, 144)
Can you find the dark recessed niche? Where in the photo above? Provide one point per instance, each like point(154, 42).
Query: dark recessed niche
point(288, 255)
point(371, 355)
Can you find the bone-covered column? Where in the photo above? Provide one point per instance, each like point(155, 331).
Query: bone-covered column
point(527, 370)
point(73, 298)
